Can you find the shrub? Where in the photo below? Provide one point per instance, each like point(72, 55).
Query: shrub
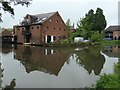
point(65, 42)
point(110, 80)
point(96, 37)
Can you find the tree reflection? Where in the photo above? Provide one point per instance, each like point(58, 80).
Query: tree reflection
point(91, 59)
point(6, 48)
point(11, 86)
point(1, 75)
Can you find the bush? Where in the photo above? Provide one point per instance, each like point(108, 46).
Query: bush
point(117, 68)
point(65, 42)
point(110, 80)
point(96, 37)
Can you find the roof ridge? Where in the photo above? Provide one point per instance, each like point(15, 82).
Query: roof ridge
point(42, 13)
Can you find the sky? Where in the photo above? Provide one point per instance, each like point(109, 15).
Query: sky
point(68, 9)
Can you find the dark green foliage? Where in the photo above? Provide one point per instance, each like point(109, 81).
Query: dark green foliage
point(92, 22)
point(110, 80)
point(100, 22)
point(97, 37)
point(110, 42)
point(117, 68)
point(91, 59)
point(69, 31)
point(7, 5)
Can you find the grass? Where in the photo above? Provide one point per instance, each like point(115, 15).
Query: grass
point(110, 42)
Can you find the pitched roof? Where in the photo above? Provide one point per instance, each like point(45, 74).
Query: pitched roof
point(40, 18)
point(5, 32)
point(113, 28)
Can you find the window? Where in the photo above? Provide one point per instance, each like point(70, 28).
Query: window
point(54, 28)
point(64, 29)
point(56, 21)
point(57, 15)
point(47, 27)
point(51, 20)
point(59, 28)
point(37, 27)
point(23, 32)
point(23, 28)
point(54, 38)
point(32, 27)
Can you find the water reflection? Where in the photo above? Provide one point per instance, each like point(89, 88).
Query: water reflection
point(1, 75)
point(48, 60)
point(11, 86)
point(91, 59)
point(38, 66)
point(112, 51)
point(6, 48)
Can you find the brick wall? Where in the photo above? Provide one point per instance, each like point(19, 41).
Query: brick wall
point(54, 26)
point(116, 33)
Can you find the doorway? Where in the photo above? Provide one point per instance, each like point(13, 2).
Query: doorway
point(48, 39)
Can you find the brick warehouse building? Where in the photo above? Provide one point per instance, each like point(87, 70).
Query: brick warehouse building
point(40, 29)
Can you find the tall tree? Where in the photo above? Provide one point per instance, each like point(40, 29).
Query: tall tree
point(6, 5)
point(69, 33)
point(100, 22)
point(86, 25)
point(91, 23)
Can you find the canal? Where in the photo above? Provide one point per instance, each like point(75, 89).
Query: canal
point(55, 67)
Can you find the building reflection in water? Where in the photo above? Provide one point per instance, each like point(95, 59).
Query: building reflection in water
point(91, 59)
point(48, 60)
point(112, 51)
point(6, 48)
point(51, 60)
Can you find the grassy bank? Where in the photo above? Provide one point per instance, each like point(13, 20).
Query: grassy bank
point(110, 42)
point(67, 44)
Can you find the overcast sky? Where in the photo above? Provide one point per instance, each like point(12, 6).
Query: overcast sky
point(68, 9)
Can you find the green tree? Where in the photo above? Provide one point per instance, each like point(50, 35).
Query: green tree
point(69, 33)
point(91, 23)
point(100, 22)
point(7, 5)
point(96, 37)
point(86, 25)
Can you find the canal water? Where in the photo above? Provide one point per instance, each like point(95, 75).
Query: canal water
point(55, 67)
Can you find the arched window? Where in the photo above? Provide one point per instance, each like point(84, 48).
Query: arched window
point(115, 38)
point(118, 37)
